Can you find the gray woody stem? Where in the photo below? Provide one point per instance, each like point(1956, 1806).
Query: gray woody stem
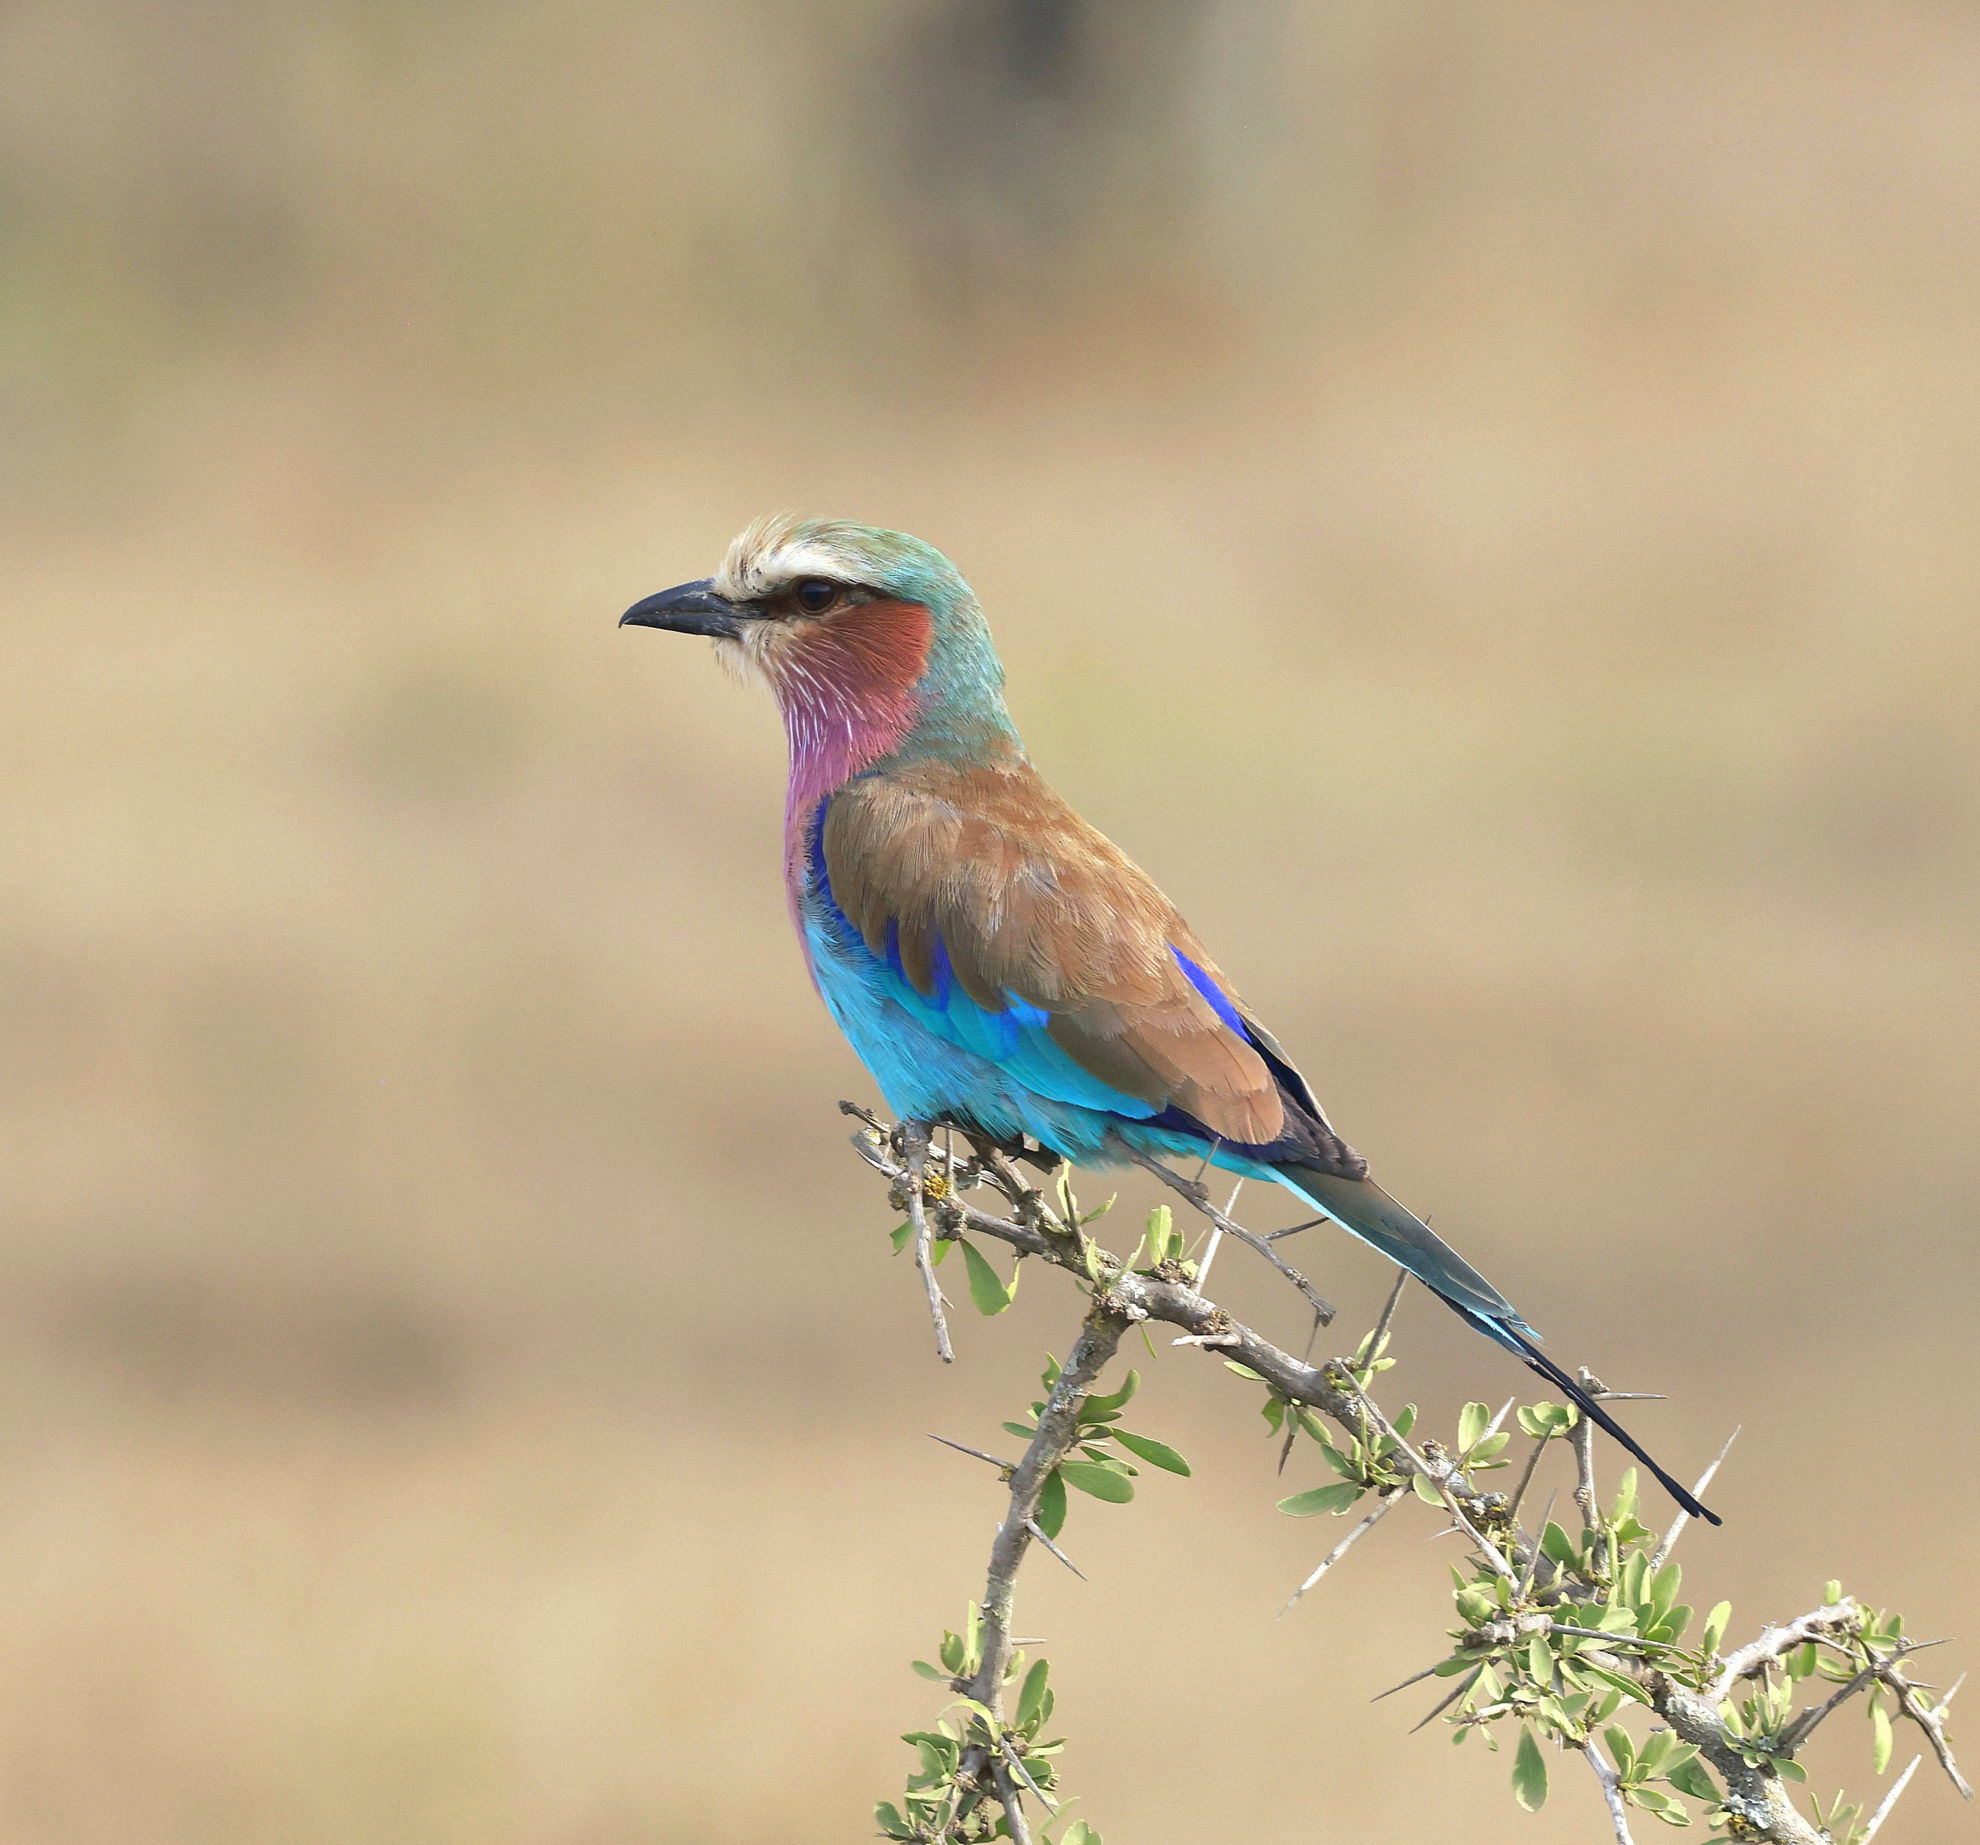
point(1058, 1429)
point(914, 1150)
point(1611, 1790)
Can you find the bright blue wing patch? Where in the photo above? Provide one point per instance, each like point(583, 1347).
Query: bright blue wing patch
point(1210, 990)
point(1014, 1036)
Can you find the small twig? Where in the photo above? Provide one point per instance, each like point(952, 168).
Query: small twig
point(1775, 1642)
point(1216, 1226)
point(1930, 1721)
point(1803, 1726)
point(1526, 1480)
point(1678, 1524)
point(1441, 1481)
point(1292, 1409)
point(1383, 1502)
point(1493, 1427)
point(914, 1145)
point(1534, 1551)
point(1007, 1798)
point(1595, 1633)
point(1057, 1432)
point(1200, 1200)
point(1584, 1459)
point(1611, 1790)
point(1890, 1800)
point(1388, 1312)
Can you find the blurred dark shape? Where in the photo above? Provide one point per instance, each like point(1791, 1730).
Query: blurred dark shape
point(1017, 140)
point(334, 1345)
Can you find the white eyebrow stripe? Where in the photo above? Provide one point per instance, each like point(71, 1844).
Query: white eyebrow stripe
point(768, 572)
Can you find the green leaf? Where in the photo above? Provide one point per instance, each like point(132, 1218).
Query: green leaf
point(1651, 1756)
point(1162, 1238)
point(1120, 1398)
point(1319, 1499)
point(1472, 1420)
point(1546, 1420)
point(1079, 1833)
point(1529, 1775)
point(1654, 1800)
point(935, 1672)
point(1880, 1737)
point(1559, 1546)
point(1539, 1660)
point(987, 1293)
point(1052, 1505)
point(1476, 1604)
point(1022, 1430)
point(1155, 1453)
point(1231, 1364)
point(1690, 1777)
point(900, 1236)
point(1031, 1698)
point(1426, 1489)
point(1622, 1746)
point(980, 1710)
point(1616, 1681)
point(1102, 1482)
point(1715, 1627)
point(1101, 1458)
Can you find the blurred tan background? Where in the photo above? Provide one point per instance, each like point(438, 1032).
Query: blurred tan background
point(1481, 500)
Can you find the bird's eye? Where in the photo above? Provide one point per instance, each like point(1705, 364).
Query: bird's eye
point(815, 595)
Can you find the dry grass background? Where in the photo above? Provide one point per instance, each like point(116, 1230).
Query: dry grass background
point(1481, 500)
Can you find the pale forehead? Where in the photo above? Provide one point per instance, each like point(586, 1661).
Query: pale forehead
point(778, 551)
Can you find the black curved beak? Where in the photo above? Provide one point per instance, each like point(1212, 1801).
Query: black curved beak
point(689, 608)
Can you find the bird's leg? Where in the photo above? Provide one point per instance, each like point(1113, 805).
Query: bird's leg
point(913, 1138)
point(1199, 1198)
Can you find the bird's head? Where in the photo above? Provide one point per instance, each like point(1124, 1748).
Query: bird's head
point(869, 638)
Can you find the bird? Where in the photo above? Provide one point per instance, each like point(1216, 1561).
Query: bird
point(996, 962)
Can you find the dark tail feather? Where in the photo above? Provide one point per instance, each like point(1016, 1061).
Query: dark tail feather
point(1363, 1208)
point(1601, 1418)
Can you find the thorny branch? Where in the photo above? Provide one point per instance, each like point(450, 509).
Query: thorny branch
point(929, 1186)
point(1612, 1794)
point(1058, 1429)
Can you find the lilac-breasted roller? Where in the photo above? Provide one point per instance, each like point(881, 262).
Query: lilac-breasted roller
point(995, 961)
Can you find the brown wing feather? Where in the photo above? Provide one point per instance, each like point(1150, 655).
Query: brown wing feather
point(1029, 899)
